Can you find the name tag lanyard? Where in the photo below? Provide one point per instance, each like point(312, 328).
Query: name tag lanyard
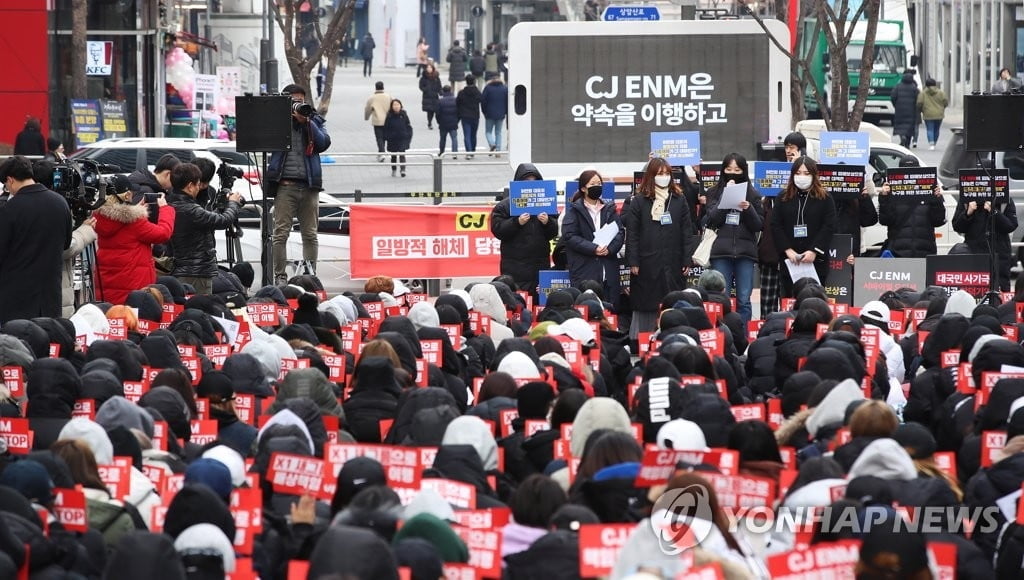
point(800, 229)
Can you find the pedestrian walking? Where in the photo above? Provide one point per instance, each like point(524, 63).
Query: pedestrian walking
point(421, 56)
point(457, 60)
point(468, 104)
point(397, 134)
point(932, 103)
point(30, 140)
point(376, 111)
point(366, 51)
point(494, 106)
point(477, 64)
point(430, 87)
point(448, 120)
point(904, 100)
point(490, 61)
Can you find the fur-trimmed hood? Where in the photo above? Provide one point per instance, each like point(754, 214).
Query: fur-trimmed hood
point(124, 213)
point(791, 425)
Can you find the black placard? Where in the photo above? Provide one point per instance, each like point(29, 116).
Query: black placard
point(976, 184)
point(911, 183)
point(839, 281)
point(709, 173)
point(968, 272)
point(842, 181)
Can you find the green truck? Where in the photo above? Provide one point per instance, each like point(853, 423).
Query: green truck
point(890, 63)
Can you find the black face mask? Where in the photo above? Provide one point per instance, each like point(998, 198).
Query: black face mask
point(734, 177)
point(595, 191)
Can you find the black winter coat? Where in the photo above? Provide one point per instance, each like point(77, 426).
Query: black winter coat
point(989, 485)
point(911, 225)
point(29, 141)
point(659, 251)
point(468, 102)
point(525, 249)
point(904, 101)
point(456, 60)
point(494, 100)
point(735, 241)
point(397, 131)
point(192, 244)
point(143, 181)
point(820, 218)
point(760, 363)
point(374, 398)
point(975, 229)
point(431, 89)
point(789, 352)
point(477, 66)
point(854, 214)
point(554, 555)
point(447, 113)
point(578, 229)
point(35, 229)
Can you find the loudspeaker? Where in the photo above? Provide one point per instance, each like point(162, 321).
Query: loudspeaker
point(993, 122)
point(263, 123)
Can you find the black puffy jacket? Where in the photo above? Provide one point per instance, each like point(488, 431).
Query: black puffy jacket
point(447, 112)
point(192, 244)
point(989, 485)
point(911, 225)
point(735, 241)
point(374, 398)
point(468, 102)
point(143, 181)
point(525, 249)
point(854, 214)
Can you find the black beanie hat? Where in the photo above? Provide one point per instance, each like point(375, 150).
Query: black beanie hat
point(534, 399)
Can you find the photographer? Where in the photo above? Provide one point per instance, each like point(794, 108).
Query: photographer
point(35, 229)
point(81, 237)
point(295, 178)
point(126, 238)
point(192, 244)
point(159, 181)
point(207, 170)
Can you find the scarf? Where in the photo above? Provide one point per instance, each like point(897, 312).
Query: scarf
point(658, 207)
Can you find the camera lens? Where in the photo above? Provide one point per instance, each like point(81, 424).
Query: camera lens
point(304, 109)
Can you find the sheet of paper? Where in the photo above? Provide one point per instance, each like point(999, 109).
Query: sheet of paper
point(732, 195)
point(230, 327)
point(606, 234)
point(802, 270)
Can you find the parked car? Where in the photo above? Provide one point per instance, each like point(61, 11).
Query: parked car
point(135, 153)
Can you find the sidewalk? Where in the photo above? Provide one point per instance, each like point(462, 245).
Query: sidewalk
point(350, 133)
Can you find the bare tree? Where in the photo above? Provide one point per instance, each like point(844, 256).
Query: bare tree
point(838, 26)
point(296, 39)
point(79, 18)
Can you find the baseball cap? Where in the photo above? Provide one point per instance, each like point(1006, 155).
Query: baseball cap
point(876, 311)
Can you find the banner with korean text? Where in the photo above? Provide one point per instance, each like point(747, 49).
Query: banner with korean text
point(422, 241)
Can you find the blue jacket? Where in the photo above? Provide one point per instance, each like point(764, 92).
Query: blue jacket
point(494, 102)
point(321, 141)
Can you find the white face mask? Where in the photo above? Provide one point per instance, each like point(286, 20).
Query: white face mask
point(802, 181)
point(662, 180)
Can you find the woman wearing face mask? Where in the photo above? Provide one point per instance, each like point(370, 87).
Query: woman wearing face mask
point(803, 222)
point(660, 239)
point(735, 250)
point(585, 215)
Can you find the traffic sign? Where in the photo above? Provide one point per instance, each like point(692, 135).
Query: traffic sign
point(620, 13)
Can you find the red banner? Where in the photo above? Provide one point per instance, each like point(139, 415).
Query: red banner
point(422, 241)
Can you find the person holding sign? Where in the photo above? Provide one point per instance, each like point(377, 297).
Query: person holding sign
point(911, 221)
point(593, 236)
point(660, 239)
point(525, 239)
point(803, 222)
point(853, 214)
point(976, 221)
point(735, 249)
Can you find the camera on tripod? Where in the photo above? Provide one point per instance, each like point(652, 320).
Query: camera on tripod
point(83, 185)
point(227, 175)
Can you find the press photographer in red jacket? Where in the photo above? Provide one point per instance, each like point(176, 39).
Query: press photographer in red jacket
point(125, 240)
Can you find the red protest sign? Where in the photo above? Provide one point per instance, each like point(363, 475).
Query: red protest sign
point(245, 408)
point(432, 351)
point(458, 494)
point(335, 367)
point(992, 442)
point(944, 556)
point(133, 390)
point(297, 474)
point(402, 465)
point(204, 431)
point(484, 550)
point(713, 341)
point(160, 431)
point(751, 412)
point(262, 314)
point(599, 547)
point(507, 416)
point(84, 408)
point(737, 491)
point(54, 351)
point(834, 559)
point(217, 353)
point(946, 461)
point(69, 509)
point(950, 358)
point(488, 519)
point(658, 465)
point(247, 509)
point(117, 478)
point(14, 380)
point(712, 571)
point(118, 328)
point(17, 433)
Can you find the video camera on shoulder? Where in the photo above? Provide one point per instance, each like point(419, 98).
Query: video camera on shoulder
point(83, 185)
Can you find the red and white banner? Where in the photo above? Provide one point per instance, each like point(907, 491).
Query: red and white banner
point(297, 475)
point(834, 559)
point(422, 241)
point(69, 508)
point(599, 547)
